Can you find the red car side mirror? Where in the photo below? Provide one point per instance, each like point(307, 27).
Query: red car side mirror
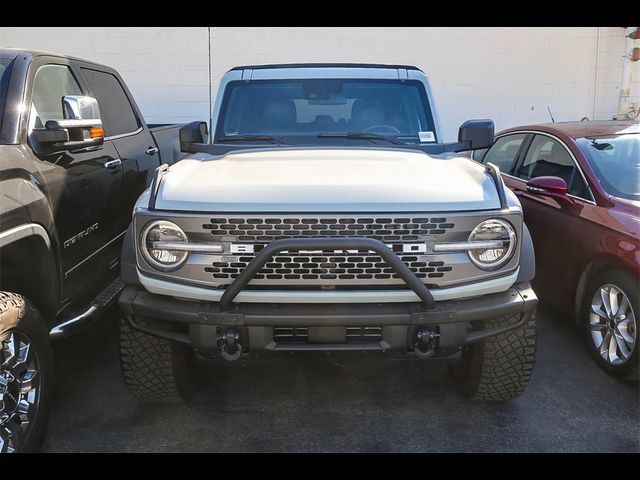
point(554, 187)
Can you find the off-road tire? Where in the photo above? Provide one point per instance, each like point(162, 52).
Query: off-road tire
point(499, 368)
point(18, 314)
point(156, 370)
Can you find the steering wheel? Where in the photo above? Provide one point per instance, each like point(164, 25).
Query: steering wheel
point(388, 128)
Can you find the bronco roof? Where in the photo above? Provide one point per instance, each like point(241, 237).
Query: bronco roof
point(324, 65)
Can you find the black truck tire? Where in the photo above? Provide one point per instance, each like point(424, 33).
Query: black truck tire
point(26, 375)
point(499, 368)
point(156, 370)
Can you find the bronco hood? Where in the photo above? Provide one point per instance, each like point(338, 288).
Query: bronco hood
point(326, 180)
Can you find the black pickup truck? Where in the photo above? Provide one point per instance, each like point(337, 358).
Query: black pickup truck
point(75, 154)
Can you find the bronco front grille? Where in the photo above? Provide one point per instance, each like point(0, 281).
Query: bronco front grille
point(321, 267)
point(386, 229)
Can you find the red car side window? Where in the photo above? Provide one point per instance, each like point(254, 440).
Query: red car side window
point(548, 157)
point(504, 151)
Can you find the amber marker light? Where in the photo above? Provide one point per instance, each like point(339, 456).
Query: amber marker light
point(96, 132)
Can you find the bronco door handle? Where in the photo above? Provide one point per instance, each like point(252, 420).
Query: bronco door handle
point(152, 150)
point(112, 164)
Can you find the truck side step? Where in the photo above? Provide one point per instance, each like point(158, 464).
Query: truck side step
point(85, 319)
point(109, 294)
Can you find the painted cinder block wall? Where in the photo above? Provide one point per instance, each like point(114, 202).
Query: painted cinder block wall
point(508, 74)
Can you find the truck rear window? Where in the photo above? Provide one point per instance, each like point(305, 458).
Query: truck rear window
point(308, 107)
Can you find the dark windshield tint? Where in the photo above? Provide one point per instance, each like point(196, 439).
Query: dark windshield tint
point(616, 161)
point(290, 108)
point(5, 74)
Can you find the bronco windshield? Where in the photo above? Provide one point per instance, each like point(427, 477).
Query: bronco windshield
point(306, 110)
point(616, 161)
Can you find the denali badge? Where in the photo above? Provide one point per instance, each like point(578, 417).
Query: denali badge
point(80, 235)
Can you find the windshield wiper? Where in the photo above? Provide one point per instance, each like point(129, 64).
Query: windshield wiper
point(361, 136)
point(251, 138)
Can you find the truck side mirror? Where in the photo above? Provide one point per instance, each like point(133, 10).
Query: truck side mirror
point(81, 128)
point(476, 134)
point(194, 132)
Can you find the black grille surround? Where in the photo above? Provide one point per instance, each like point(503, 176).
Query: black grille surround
point(243, 235)
point(326, 266)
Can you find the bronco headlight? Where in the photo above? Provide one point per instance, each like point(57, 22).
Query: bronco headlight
point(160, 244)
point(501, 237)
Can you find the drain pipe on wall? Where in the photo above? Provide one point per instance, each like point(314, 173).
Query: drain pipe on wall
point(595, 80)
point(210, 87)
point(628, 109)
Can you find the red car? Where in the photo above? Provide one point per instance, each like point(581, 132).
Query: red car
point(579, 184)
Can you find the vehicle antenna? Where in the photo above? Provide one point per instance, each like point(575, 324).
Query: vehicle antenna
point(550, 114)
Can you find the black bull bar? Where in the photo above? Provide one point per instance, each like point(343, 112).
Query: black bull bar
point(340, 243)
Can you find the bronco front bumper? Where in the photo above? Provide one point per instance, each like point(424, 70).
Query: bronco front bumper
point(425, 328)
point(201, 324)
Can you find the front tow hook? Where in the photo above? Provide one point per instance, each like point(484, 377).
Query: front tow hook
point(427, 342)
point(229, 344)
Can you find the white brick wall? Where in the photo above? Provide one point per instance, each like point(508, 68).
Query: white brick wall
point(508, 74)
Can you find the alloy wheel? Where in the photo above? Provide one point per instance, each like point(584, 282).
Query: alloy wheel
point(612, 323)
point(19, 389)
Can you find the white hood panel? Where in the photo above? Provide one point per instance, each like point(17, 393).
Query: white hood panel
point(326, 180)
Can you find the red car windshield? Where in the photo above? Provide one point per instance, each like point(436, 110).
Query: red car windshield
point(616, 161)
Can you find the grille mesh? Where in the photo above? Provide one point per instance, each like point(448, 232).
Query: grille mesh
point(261, 230)
point(325, 266)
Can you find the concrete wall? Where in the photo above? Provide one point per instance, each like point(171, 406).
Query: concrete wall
point(508, 74)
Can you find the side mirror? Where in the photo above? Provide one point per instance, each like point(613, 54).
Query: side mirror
point(80, 129)
point(553, 187)
point(78, 107)
point(194, 132)
point(476, 134)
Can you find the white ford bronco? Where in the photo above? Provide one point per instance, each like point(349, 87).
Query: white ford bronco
point(327, 214)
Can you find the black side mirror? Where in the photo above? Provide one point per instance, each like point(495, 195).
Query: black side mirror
point(194, 132)
point(476, 134)
point(81, 129)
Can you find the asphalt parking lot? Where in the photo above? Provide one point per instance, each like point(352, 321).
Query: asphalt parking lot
point(347, 402)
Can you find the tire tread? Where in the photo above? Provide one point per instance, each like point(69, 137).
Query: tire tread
point(148, 365)
point(505, 361)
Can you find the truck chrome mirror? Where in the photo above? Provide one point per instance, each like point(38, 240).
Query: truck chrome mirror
point(79, 107)
point(81, 128)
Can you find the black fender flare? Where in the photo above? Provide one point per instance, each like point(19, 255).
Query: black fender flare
point(527, 257)
point(128, 267)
